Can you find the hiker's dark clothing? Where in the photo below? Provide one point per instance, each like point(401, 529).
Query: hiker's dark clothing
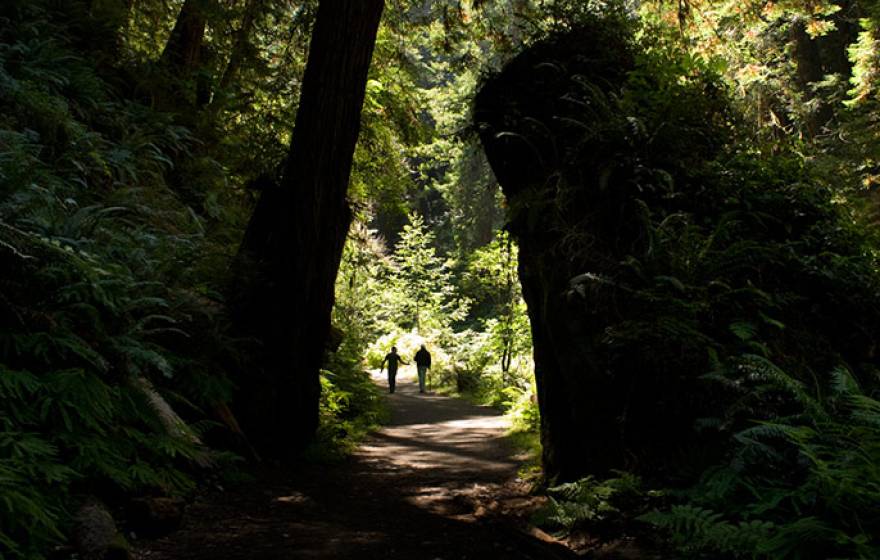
point(393, 360)
point(423, 358)
point(423, 362)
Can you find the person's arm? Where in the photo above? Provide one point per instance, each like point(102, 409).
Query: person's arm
point(382, 367)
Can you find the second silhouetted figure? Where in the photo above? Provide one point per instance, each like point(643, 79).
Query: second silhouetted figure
point(423, 362)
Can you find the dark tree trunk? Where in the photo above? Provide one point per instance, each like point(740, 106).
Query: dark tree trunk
point(242, 43)
point(187, 89)
point(184, 47)
point(578, 404)
point(834, 46)
point(290, 254)
point(575, 196)
point(805, 51)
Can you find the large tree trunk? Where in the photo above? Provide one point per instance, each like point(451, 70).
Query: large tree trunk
point(184, 47)
point(290, 255)
point(517, 114)
point(187, 89)
point(834, 46)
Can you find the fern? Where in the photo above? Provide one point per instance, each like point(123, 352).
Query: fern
point(589, 501)
point(100, 281)
point(697, 530)
point(803, 486)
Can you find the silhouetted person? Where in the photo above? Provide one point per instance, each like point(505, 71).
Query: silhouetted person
point(392, 358)
point(423, 362)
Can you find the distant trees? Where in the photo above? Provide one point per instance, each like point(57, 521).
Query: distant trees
point(800, 71)
point(492, 279)
point(422, 283)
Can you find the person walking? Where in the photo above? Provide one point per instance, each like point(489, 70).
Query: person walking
point(423, 362)
point(392, 359)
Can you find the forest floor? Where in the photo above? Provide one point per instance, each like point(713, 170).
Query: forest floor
point(439, 482)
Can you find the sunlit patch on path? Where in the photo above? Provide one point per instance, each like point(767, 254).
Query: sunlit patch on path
point(413, 491)
point(441, 433)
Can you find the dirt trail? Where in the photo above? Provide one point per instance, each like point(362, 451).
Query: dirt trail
point(428, 486)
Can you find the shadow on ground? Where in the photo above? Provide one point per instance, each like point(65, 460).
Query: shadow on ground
point(408, 493)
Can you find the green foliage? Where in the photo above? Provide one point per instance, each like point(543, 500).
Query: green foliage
point(351, 407)
point(422, 284)
point(523, 409)
point(804, 76)
point(697, 529)
point(863, 53)
point(360, 291)
point(597, 505)
point(107, 314)
point(801, 486)
point(491, 358)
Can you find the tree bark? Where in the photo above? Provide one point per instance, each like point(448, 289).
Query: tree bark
point(184, 47)
point(290, 255)
point(579, 405)
point(805, 51)
point(834, 46)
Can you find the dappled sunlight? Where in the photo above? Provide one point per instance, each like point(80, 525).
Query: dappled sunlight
point(461, 451)
point(428, 431)
point(411, 489)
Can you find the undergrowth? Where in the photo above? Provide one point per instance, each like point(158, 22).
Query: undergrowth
point(803, 486)
point(351, 408)
point(113, 345)
point(351, 405)
point(605, 507)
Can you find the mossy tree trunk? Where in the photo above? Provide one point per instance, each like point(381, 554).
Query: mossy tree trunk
point(578, 405)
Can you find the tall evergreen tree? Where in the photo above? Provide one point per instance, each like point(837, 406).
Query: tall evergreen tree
point(291, 251)
point(423, 282)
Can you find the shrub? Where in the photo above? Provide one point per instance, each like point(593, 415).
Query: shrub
point(805, 485)
point(108, 317)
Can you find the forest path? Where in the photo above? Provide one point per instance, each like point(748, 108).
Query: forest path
point(436, 483)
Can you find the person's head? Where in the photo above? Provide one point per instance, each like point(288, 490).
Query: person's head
point(423, 347)
point(394, 349)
